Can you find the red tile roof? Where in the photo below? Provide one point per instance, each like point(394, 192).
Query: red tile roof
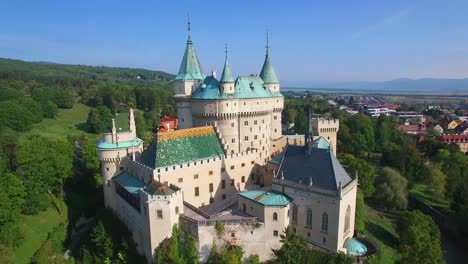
point(453, 138)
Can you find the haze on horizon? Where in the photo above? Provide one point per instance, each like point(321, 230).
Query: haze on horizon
point(331, 41)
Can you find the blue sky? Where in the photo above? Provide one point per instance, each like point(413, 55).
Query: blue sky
point(311, 41)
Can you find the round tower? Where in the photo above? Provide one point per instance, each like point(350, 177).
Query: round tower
point(114, 148)
point(226, 84)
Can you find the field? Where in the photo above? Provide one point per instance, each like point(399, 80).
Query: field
point(421, 192)
point(67, 123)
point(380, 229)
point(35, 229)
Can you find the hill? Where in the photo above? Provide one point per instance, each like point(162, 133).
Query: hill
point(402, 84)
point(82, 76)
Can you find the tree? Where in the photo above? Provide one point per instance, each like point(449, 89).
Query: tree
point(437, 180)
point(101, 243)
point(12, 195)
point(190, 250)
point(64, 98)
point(419, 239)
point(292, 249)
point(359, 224)
point(99, 119)
point(43, 169)
point(391, 190)
point(365, 170)
point(49, 109)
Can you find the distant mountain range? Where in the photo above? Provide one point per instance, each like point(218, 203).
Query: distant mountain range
point(402, 84)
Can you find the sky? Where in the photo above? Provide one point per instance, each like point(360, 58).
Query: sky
point(311, 41)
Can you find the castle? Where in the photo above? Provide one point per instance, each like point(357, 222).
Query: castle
point(229, 163)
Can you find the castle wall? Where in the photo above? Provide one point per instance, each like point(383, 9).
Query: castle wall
point(160, 214)
point(184, 114)
point(233, 168)
point(348, 199)
point(319, 204)
point(252, 237)
point(244, 123)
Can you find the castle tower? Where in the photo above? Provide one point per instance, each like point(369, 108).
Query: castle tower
point(114, 148)
point(271, 82)
point(190, 75)
point(328, 129)
point(226, 84)
point(268, 74)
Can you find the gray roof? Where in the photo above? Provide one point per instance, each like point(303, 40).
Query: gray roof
point(299, 165)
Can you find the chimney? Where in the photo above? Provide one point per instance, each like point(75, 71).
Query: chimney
point(213, 73)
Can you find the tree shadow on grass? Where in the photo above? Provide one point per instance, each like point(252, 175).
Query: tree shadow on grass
point(382, 234)
point(83, 127)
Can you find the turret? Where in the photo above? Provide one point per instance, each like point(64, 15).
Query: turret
point(114, 148)
point(190, 72)
point(190, 75)
point(268, 74)
point(226, 84)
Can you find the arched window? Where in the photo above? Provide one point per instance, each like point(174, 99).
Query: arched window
point(275, 216)
point(309, 218)
point(244, 207)
point(325, 222)
point(294, 214)
point(347, 219)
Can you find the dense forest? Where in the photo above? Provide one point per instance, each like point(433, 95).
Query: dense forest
point(42, 174)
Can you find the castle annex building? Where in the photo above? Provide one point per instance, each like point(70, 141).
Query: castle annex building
point(229, 163)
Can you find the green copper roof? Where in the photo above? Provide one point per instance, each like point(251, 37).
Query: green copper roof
point(267, 198)
point(129, 183)
point(182, 146)
point(277, 159)
point(190, 68)
point(124, 144)
point(227, 74)
point(268, 74)
point(321, 143)
point(245, 87)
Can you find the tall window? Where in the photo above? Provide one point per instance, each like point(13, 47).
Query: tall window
point(347, 219)
point(294, 214)
point(211, 187)
point(197, 191)
point(325, 222)
point(309, 217)
point(223, 184)
point(275, 216)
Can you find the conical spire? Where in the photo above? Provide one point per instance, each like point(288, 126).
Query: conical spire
point(268, 74)
point(226, 77)
point(190, 68)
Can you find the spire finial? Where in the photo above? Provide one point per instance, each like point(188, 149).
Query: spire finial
point(267, 42)
point(226, 49)
point(188, 27)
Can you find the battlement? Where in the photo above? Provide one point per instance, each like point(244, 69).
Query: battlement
point(326, 122)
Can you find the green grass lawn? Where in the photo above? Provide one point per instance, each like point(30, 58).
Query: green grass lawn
point(35, 229)
point(380, 229)
point(65, 124)
point(421, 192)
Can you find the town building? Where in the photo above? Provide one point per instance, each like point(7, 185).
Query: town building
point(460, 139)
point(229, 163)
point(376, 111)
point(453, 124)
